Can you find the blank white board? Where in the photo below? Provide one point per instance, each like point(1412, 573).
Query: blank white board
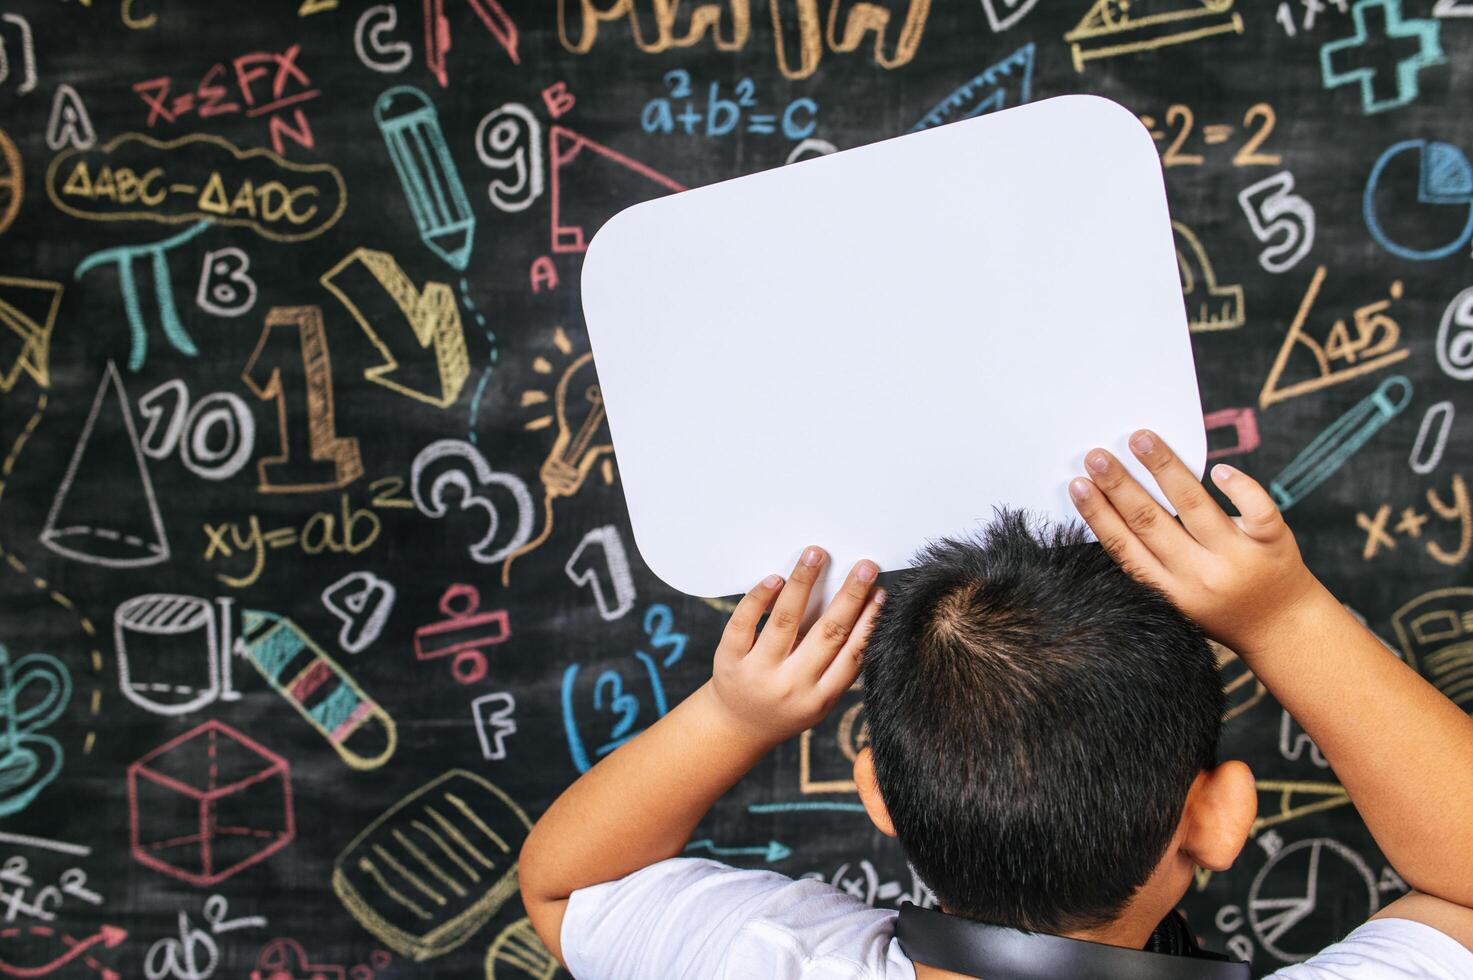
point(873, 348)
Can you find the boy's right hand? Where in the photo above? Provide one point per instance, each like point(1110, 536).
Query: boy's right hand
point(1236, 577)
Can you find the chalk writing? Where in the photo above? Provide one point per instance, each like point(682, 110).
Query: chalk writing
point(721, 115)
point(1455, 510)
point(280, 102)
point(1341, 355)
point(134, 177)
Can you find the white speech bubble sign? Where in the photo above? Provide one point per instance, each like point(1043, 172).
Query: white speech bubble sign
point(874, 348)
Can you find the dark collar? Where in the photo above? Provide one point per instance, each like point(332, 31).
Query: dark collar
point(991, 952)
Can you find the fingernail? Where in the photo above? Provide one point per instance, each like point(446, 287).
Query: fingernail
point(812, 556)
point(866, 572)
point(1097, 461)
point(773, 581)
point(1079, 488)
point(1222, 472)
point(1142, 442)
point(879, 596)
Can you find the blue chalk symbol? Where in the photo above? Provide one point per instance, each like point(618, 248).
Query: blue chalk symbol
point(1340, 441)
point(1348, 51)
point(626, 705)
point(771, 852)
point(123, 256)
point(805, 806)
point(1007, 83)
point(1444, 178)
point(442, 213)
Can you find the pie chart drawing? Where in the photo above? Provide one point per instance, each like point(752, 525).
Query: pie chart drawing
point(1423, 190)
point(1299, 901)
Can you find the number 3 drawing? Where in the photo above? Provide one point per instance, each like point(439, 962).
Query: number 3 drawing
point(1274, 211)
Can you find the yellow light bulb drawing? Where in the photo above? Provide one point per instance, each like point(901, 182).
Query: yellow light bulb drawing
point(582, 436)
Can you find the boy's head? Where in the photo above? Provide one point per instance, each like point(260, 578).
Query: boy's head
point(1037, 723)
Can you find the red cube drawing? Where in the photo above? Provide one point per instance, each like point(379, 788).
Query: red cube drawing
point(208, 804)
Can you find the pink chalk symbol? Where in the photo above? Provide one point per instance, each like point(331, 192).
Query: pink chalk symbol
point(462, 634)
point(208, 804)
point(1245, 431)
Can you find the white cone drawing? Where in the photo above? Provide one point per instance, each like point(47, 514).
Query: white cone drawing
point(105, 512)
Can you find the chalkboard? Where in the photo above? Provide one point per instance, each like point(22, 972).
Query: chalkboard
point(317, 581)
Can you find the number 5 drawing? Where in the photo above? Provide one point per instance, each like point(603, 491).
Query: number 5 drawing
point(1274, 211)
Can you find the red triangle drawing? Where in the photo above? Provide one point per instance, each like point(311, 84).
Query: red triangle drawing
point(571, 231)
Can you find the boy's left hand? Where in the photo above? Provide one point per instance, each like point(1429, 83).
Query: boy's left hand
point(778, 684)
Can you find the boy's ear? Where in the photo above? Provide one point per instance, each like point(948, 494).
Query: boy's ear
point(869, 792)
point(1219, 814)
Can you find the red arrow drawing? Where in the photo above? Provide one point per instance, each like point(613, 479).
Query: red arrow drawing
point(108, 936)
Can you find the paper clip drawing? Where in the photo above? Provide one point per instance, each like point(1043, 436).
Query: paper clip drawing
point(1001, 86)
point(411, 130)
point(28, 315)
point(1210, 305)
point(1116, 27)
point(435, 867)
point(1435, 632)
point(360, 731)
point(1344, 437)
point(105, 512)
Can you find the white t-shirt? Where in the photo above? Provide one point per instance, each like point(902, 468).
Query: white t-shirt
point(694, 918)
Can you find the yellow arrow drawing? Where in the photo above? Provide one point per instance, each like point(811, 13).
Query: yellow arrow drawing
point(432, 316)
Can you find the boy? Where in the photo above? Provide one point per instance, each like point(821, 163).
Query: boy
point(1043, 732)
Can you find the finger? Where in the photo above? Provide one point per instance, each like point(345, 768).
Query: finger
point(840, 675)
point(1115, 535)
point(817, 649)
point(1149, 521)
point(1194, 505)
point(1260, 518)
point(782, 626)
point(741, 628)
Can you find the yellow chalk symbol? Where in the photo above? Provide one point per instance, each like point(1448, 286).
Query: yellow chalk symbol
point(431, 313)
point(1210, 305)
point(1112, 27)
point(518, 949)
point(1296, 800)
point(28, 314)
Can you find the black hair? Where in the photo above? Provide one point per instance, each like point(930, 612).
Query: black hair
point(1037, 718)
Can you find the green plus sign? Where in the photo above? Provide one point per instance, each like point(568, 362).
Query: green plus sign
point(1401, 50)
